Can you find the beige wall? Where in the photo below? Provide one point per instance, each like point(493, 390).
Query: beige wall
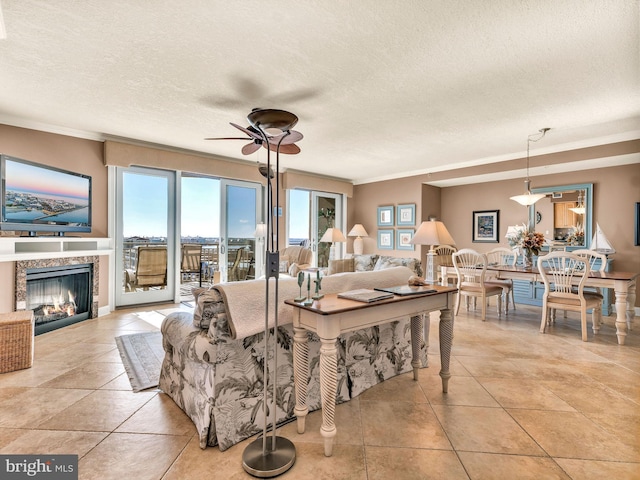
point(363, 208)
point(78, 155)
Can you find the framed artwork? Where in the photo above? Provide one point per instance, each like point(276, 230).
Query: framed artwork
point(486, 226)
point(406, 215)
point(385, 239)
point(385, 216)
point(404, 237)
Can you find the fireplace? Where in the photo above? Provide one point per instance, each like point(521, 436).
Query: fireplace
point(59, 296)
point(60, 291)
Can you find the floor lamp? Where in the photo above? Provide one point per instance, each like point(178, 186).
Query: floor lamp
point(263, 458)
point(432, 233)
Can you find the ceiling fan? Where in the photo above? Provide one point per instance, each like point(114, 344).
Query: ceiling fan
point(287, 142)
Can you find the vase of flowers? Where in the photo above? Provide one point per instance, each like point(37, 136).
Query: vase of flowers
point(528, 242)
point(576, 237)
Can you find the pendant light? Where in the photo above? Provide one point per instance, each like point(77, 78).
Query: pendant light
point(529, 198)
point(580, 208)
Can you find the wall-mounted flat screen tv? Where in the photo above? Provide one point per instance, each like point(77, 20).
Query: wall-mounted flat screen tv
point(41, 198)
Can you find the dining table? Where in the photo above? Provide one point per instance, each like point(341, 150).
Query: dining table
point(622, 283)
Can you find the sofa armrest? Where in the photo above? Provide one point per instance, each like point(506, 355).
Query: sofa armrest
point(294, 268)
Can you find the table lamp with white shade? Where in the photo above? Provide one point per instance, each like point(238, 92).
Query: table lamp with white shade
point(433, 233)
point(358, 231)
point(331, 236)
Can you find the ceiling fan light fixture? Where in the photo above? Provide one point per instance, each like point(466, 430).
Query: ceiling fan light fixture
point(268, 118)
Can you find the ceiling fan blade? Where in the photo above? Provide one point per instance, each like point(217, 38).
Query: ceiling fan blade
point(247, 131)
point(292, 149)
point(228, 138)
point(293, 137)
point(250, 148)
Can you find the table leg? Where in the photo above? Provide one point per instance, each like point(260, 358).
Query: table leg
point(631, 302)
point(416, 340)
point(300, 375)
point(621, 310)
point(328, 389)
point(446, 340)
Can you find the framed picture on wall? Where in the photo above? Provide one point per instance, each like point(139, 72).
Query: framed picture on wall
point(385, 239)
point(486, 226)
point(406, 215)
point(385, 216)
point(404, 236)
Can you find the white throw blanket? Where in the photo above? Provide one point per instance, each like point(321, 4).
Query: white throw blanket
point(245, 301)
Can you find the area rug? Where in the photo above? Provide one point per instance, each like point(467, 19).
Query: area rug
point(142, 355)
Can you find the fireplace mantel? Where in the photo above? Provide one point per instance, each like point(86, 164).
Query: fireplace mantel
point(13, 249)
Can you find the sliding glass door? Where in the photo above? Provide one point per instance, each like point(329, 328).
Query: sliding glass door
point(240, 214)
point(310, 214)
point(145, 232)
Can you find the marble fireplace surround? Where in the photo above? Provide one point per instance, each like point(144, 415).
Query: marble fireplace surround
point(21, 277)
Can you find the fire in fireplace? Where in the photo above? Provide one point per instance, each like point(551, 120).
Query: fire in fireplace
point(59, 295)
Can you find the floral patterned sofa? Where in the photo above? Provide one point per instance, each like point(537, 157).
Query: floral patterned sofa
point(213, 365)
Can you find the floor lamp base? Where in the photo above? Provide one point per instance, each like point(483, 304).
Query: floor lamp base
point(273, 463)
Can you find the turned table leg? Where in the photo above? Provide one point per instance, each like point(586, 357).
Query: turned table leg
point(300, 375)
point(328, 389)
point(416, 340)
point(446, 340)
point(621, 310)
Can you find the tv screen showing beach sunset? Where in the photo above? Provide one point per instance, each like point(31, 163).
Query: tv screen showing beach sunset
point(35, 194)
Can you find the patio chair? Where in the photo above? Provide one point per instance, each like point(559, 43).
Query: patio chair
point(191, 262)
point(150, 270)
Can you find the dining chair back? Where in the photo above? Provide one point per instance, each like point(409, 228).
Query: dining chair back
point(471, 270)
point(564, 275)
point(502, 257)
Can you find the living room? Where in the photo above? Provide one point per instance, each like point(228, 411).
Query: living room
point(614, 191)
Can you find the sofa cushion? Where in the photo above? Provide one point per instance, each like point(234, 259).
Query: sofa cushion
point(364, 263)
point(209, 305)
point(385, 262)
point(340, 266)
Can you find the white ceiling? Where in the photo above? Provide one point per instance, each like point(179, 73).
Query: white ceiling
point(382, 89)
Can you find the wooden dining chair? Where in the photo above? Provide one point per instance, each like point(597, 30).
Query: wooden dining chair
point(502, 257)
point(564, 275)
point(471, 269)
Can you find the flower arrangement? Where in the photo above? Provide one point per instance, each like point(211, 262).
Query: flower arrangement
point(528, 241)
point(576, 237)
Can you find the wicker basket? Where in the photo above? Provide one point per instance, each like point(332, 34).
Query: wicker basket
point(16, 340)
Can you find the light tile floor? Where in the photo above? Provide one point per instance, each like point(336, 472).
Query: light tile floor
point(521, 405)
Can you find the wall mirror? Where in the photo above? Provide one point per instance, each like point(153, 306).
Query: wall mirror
point(564, 215)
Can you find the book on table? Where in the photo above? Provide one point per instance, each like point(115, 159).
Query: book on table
point(365, 295)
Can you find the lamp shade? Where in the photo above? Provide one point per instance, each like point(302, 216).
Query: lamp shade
point(333, 235)
point(527, 198)
point(261, 230)
point(357, 231)
point(432, 232)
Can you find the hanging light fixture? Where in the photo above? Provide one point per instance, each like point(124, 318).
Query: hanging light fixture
point(529, 198)
point(580, 208)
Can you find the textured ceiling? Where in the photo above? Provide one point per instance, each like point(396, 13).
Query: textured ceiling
point(382, 89)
